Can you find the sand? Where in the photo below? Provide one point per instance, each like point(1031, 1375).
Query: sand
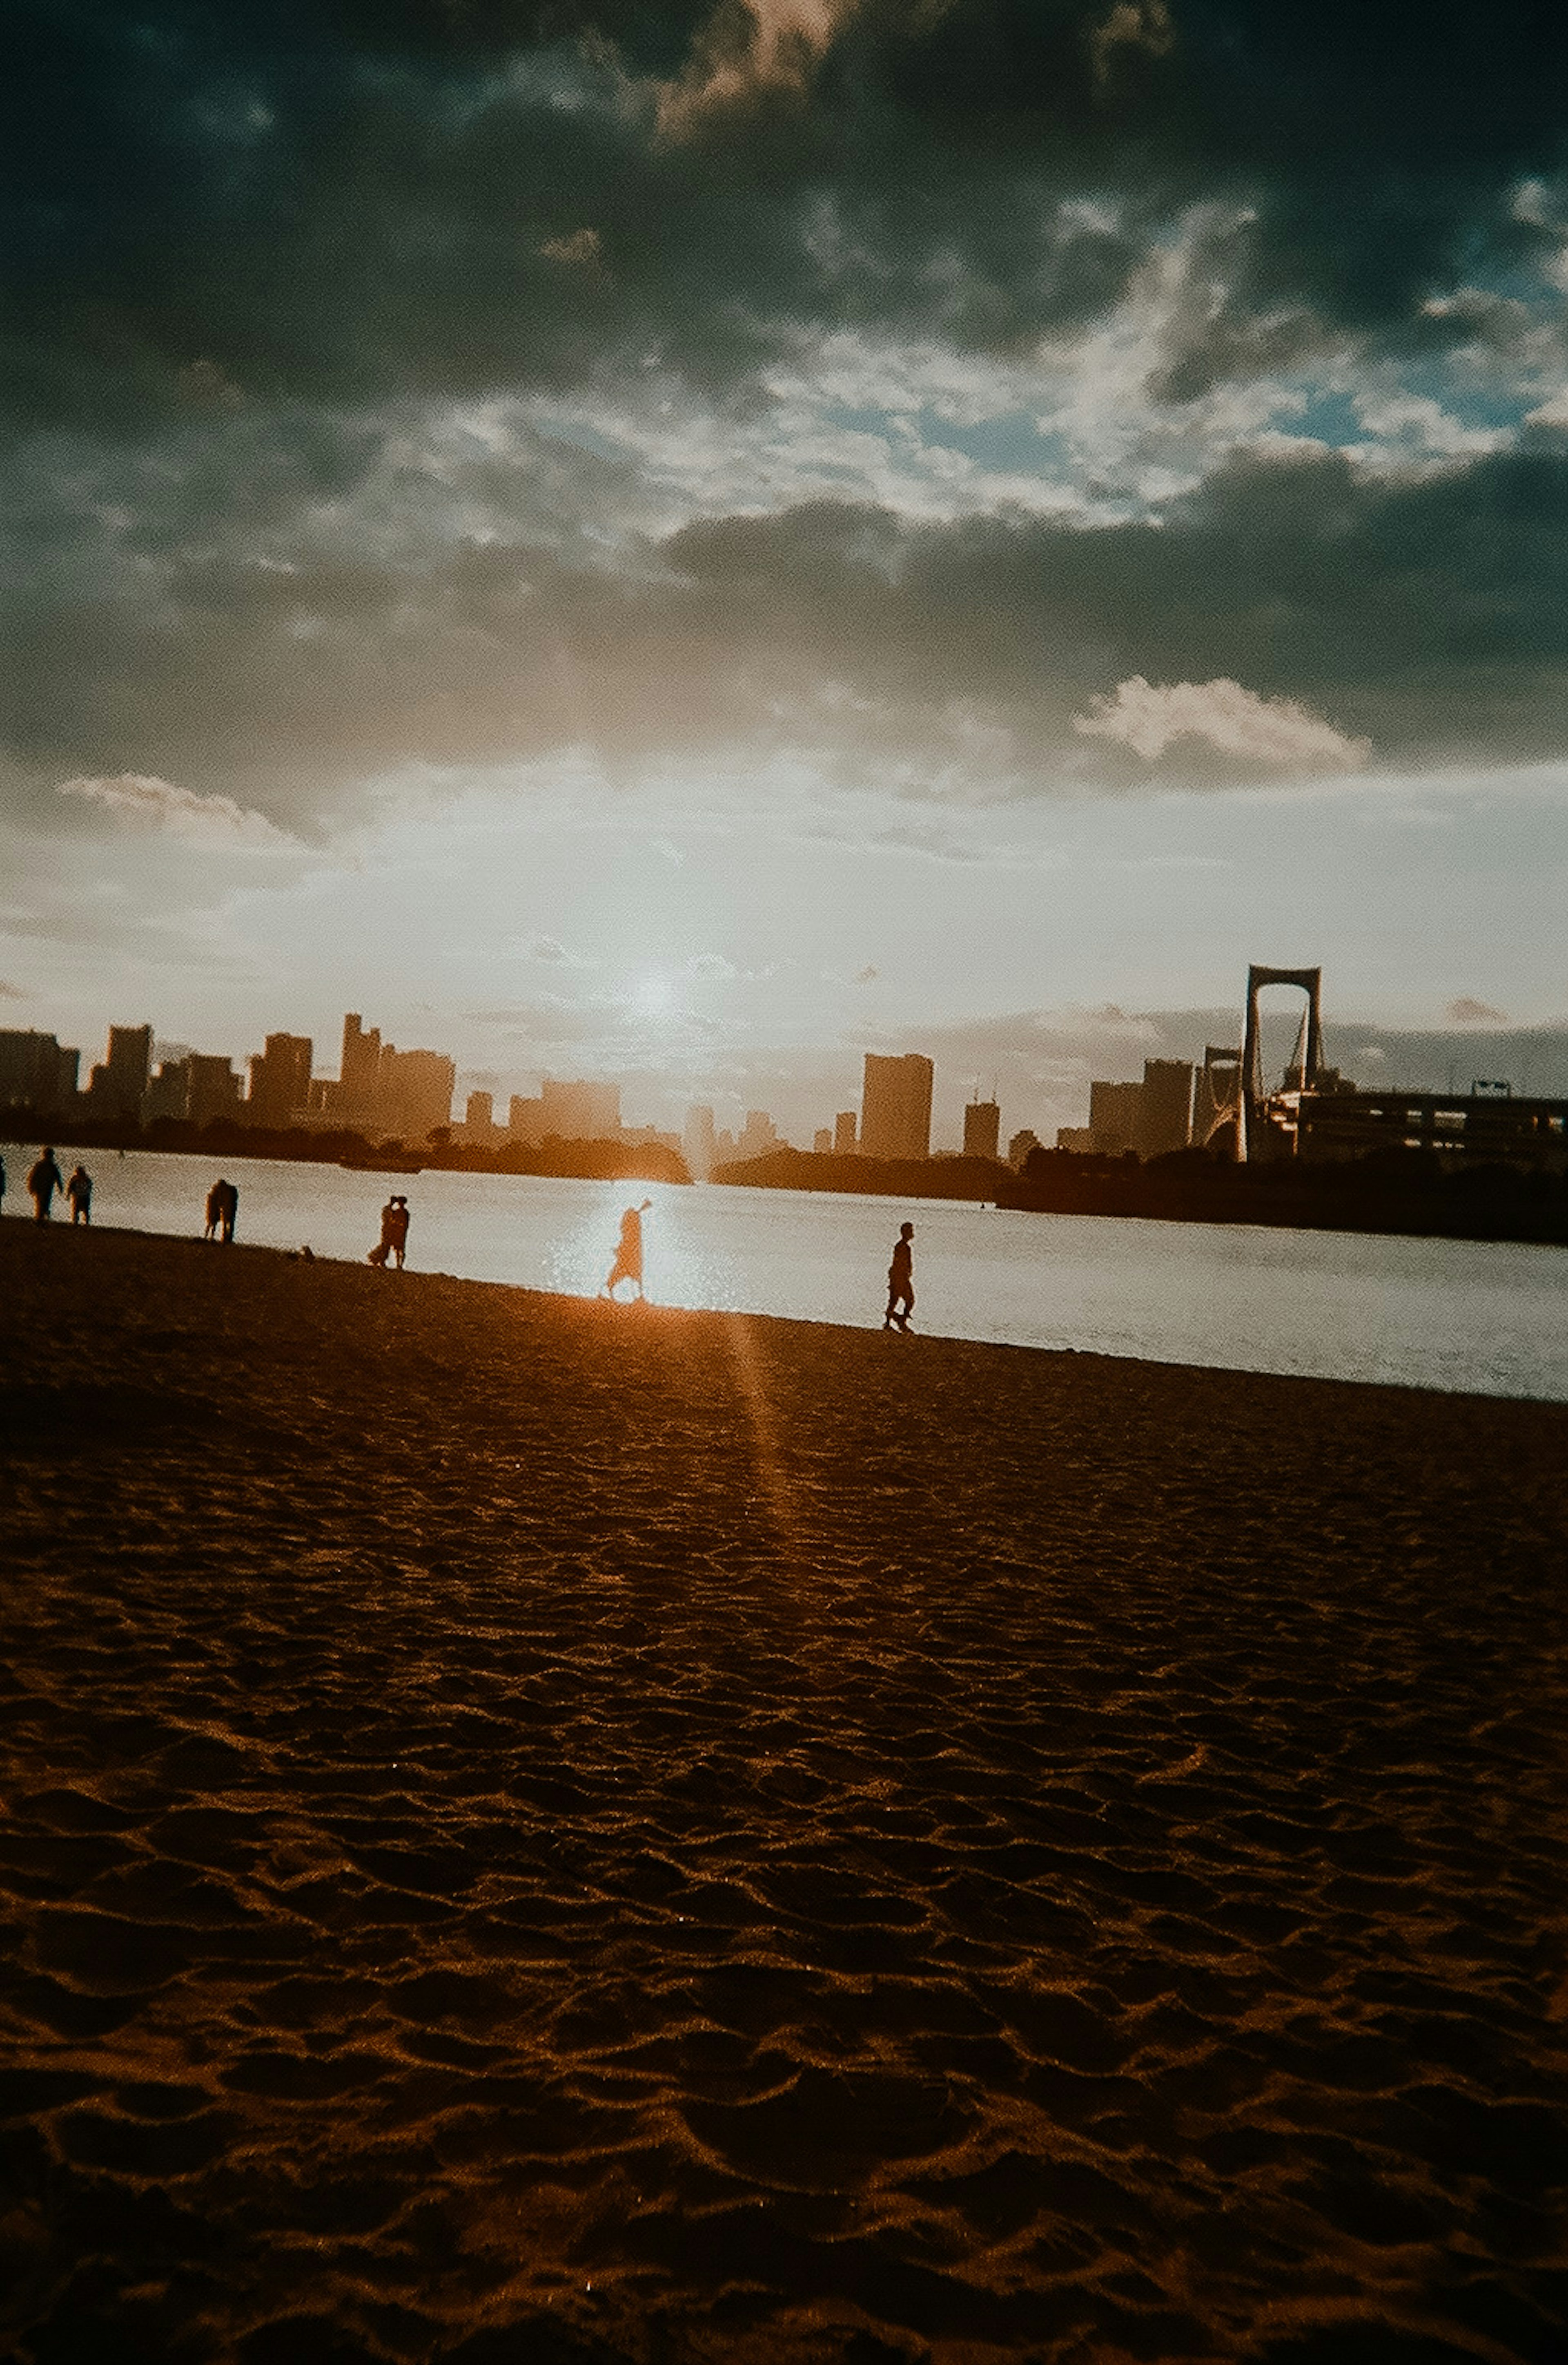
point(540, 1832)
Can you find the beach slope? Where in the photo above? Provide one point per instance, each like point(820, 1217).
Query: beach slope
point(540, 1831)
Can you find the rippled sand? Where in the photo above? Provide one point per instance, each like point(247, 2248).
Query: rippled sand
point(537, 1833)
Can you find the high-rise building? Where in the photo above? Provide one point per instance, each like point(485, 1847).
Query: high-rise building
point(280, 1081)
point(581, 1111)
point(414, 1092)
point(698, 1141)
point(821, 1141)
point(1019, 1148)
point(1165, 1107)
point(169, 1093)
point(213, 1092)
point(895, 1107)
point(115, 1087)
point(1113, 1117)
point(1078, 1140)
point(359, 1075)
point(982, 1129)
point(480, 1118)
point(35, 1074)
point(758, 1134)
point(843, 1141)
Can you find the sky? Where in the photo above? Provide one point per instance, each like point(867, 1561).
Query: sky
point(689, 542)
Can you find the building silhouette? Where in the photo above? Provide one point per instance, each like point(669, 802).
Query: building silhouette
point(1164, 1108)
point(1113, 1117)
point(895, 1106)
point(213, 1092)
point(821, 1141)
point(35, 1074)
point(116, 1087)
point(699, 1142)
point(758, 1134)
point(1151, 1117)
point(406, 1095)
point(280, 1081)
point(844, 1130)
point(982, 1129)
point(578, 1111)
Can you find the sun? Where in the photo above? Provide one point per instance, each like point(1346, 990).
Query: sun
point(653, 996)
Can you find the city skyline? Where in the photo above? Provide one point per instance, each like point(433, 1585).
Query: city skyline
point(1099, 1063)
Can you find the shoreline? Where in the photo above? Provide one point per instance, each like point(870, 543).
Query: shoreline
point(635, 1310)
point(533, 1831)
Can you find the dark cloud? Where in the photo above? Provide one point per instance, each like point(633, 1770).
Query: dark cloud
point(253, 248)
point(1429, 618)
point(339, 202)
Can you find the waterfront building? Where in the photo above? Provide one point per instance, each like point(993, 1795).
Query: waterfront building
point(1164, 1108)
point(844, 1130)
point(35, 1074)
point(1020, 1146)
point(212, 1090)
point(895, 1104)
point(699, 1141)
point(982, 1129)
point(1113, 1117)
point(758, 1134)
point(821, 1141)
point(280, 1081)
point(116, 1087)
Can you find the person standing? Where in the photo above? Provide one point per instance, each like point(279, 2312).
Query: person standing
point(628, 1265)
point(44, 1181)
point(79, 1190)
point(901, 1282)
point(222, 1206)
point(395, 1229)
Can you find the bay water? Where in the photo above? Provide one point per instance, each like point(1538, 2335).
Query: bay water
point(1457, 1315)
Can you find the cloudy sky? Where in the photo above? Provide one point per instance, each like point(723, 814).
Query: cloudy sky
point(686, 543)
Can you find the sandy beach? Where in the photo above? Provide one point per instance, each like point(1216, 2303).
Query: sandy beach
point(537, 1831)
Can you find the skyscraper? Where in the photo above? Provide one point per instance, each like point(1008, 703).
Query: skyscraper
point(1164, 1108)
point(895, 1107)
point(280, 1081)
point(843, 1141)
point(35, 1074)
point(115, 1087)
point(360, 1073)
point(699, 1141)
point(982, 1129)
point(1113, 1117)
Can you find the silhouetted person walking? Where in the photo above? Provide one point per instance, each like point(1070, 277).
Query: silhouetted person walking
point(2, 1186)
point(628, 1265)
point(44, 1181)
point(79, 1190)
point(213, 1204)
point(901, 1282)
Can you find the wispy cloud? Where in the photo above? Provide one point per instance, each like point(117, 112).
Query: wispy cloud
point(1467, 1011)
point(206, 821)
point(1149, 717)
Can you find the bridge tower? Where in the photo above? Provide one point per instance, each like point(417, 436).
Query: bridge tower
point(1253, 1095)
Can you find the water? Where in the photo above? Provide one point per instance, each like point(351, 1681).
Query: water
point(1481, 1315)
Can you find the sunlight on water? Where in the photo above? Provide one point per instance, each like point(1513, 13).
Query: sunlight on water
point(1443, 1314)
